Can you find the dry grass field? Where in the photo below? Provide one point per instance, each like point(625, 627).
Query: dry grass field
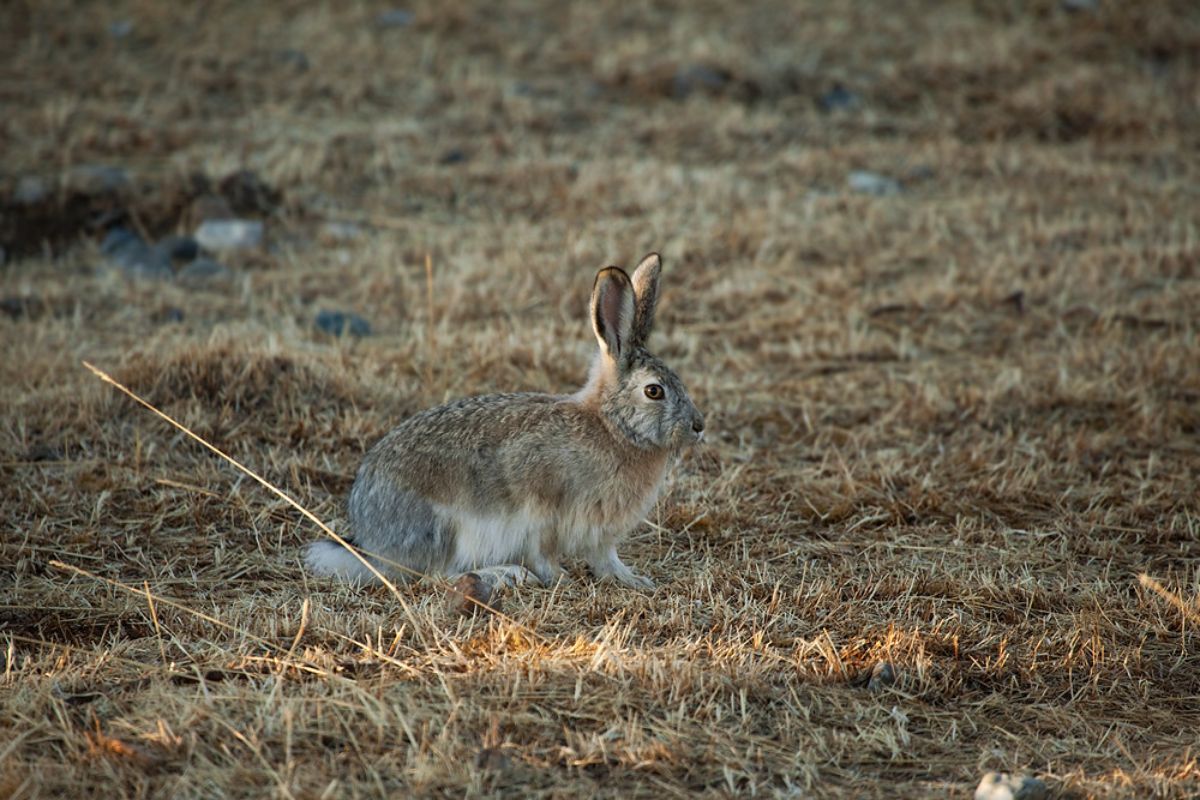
point(953, 404)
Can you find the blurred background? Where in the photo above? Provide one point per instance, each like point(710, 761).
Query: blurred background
point(585, 132)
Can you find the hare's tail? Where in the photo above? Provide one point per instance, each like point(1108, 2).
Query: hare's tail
point(329, 558)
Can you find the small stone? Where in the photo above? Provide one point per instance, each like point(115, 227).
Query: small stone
point(116, 239)
point(339, 323)
point(203, 271)
point(120, 29)
point(30, 190)
point(883, 675)
point(296, 59)
point(1079, 6)
point(395, 18)
point(125, 249)
point(44, 452)
point(145, 264)
point(698, 76)
point(218, 235)
point(872, 183)
point(178, 248)
point(17, 306)
point(119, 239)
point(170, 314)
point(468, 592)
point(920, 173)
point(838, 98)
point(97, 179)
point(453, 156)
point(1002, 786)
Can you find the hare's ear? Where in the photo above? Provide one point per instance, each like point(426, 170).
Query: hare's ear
point(645, 292)
point(612, 312)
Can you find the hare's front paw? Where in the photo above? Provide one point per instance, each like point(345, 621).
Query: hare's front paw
point(606, 564)
point(548, 571)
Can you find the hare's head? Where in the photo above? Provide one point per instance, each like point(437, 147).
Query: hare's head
point(641, 396)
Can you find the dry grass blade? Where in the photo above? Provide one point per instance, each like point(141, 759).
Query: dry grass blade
point(282, 495)
point(104, 376)
point(1190, 611)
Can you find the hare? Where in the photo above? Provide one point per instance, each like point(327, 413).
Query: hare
point(519, 481)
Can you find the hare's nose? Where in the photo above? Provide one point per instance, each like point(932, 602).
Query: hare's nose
point(698, 425)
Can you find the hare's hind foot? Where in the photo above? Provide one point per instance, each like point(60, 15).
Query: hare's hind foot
point(504, 576)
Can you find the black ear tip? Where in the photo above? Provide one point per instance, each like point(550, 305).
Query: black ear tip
point(612, 273)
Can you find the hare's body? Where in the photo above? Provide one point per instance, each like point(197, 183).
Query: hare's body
point(525, 479)
point(522, 485)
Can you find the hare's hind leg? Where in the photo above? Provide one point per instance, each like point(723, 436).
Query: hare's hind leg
point(400, 531)
point(543, 571)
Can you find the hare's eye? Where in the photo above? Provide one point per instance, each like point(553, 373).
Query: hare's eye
point(654, 391)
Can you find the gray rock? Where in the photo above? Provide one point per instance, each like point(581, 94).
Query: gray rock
point(395, 18)
point(16, 306)
point(452, 156)
point(125, 249)
point(1002, 786)
point(1079, 6)
point(339, 323)
point(144, 264)
point(922, 172)
point(296, 59)
point(30, 190)
point(203, 271)
point(872, 183)
point(883, 675)
point(170, 314)
point(118, 239)
point(178, 248)
point(838, 98)
point(97, 179)
point(120, 29)
point(698, 77)
point(219, 235)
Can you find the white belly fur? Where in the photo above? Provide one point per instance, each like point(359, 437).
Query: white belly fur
point(488, 541)
point(492, 540)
